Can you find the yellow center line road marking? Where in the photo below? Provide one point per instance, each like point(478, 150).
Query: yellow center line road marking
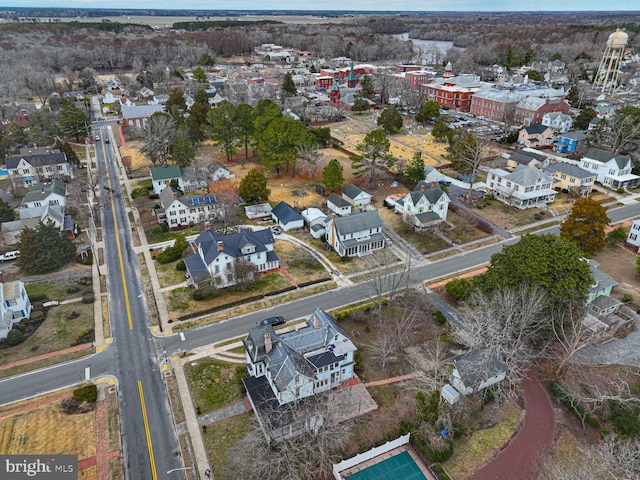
point(147, 433)
point(115, 226)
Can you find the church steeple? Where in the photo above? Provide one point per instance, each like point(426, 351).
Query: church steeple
point(334, 94)
point(352, 79)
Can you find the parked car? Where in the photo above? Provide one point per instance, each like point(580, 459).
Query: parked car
point(273, 321)
point(97, 138)
point(276, 230)
point(13, 255)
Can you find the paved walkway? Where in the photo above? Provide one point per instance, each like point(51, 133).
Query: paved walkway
point(231, 410)
point(519, 459)
point(17, 363)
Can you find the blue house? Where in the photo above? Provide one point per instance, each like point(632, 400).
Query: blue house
point(569, 142)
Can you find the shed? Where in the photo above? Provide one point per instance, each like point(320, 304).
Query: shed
point(449, 394)
point(338, 205)
point(261, 210)
point(356, 195)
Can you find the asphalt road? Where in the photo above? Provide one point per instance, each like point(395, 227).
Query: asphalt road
point(135, 357)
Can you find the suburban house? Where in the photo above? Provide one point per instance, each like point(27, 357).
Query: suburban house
point(29, 169)
point(162, 176)
point(433, 175)
point(536, 135)
point(339, 205)
point(14, 305)
point(29, 217)
point(426, 206)
point(571, 141)
point(219, 259)
point(286, 217)
point(296, 366)
point(111, 96)
point(571, 178)
point(355, 235)
point(525, 187)
point(217, 171)
point(52, 193)
point(193, 179)
point(356, 196)
point(613, 171)
point(560, 122)
point(524, 158)
point(476, 370)
point(137, 116)
point(633, 237)
point(599, 299)
point(184, 211)
point(261, 210)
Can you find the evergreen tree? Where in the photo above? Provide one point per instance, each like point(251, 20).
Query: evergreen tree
point(253, 187)
point(199, 75)
point(585, 226)
point(441, 130)
point(244, 121)
point(73, 121)
point(428, 112)
point(573, 96)
point(197, 120)
point(360, 105)
point(206, 60)
point(7, 214)
point(390, 120)
point(375, 150)
point(332, 175)
point(278, 143)
point(224, 129)
point(288, 87)
point(367, 89)
point(176, 105)
point(414, 171)
point(182, 150)
point(67, 149)
point(44, 249)
point(584, 117)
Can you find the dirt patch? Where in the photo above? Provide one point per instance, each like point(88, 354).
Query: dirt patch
point(620, 264)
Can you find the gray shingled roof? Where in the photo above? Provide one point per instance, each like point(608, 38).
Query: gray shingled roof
point(476, 366)
point(568, 169)
point(55, 157)
point(140, 111)
point(527, 176)
point(232, 244)
point(338, 201)
point(605, 156)
point(285, 213)
point(352, 191)
point(197, 269)
point(578, 135)
point(433, 193)
point(357, 222)
point(601, 280)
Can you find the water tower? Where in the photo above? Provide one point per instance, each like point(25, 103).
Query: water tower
point(609, 69)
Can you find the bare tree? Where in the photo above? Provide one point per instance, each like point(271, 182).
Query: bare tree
point(569, 330)
point(469, 151)
point(309, 433)
point(158, 135)
point(244, 272)
point(311, 160)
point(504, 325)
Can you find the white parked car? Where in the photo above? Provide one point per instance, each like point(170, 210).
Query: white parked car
point(13, 255)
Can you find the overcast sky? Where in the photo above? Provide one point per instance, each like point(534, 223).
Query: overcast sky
point(396, 5)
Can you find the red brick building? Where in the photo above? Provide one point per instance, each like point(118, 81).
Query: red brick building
point(531, 110)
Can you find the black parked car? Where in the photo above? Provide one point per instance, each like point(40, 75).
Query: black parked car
point(273, 321)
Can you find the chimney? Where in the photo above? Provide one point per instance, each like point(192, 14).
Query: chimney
point(422, 187)
point(220, 246)
point(207, 226)
point(267, 343)
point(175, 197)
point(433, 184)
point(41, 189)
point(316, 324)
point(35, 145)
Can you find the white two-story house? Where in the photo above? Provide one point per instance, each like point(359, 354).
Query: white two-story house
point(184, 211)
point(427, 205)
point(52, 193)
point(14, 305)
point(309, 360)
point(219, 259)
point(525, 187)
point(355, 235)
point(613, 171)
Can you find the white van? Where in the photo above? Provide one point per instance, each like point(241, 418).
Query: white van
point(10, 256)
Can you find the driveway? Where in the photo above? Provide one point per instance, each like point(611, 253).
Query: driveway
point(519, 459)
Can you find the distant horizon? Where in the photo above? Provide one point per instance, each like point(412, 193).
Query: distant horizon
point(336, 6)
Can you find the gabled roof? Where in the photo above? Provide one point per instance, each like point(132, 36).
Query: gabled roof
point(358, 222)
point(476, 366)
point(233, 243)
point(568, 169)
point(197, 269)
point(168, 172)
point(432, 193)
point(54, 157)
point(338, 201)
point(140, 111)
point(605, 156)
point(42, 191)
point(536, 129)
point(352, 191)
point(527, 176)
point(601, 280)
point(577, 135)
point(168, 196)
point(285, 213)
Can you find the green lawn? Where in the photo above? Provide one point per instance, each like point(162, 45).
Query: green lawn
point(59, 290)
point(156, 235)
point(168, 275)
point(62, 328)
point(214, 384)
point(222, 435)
